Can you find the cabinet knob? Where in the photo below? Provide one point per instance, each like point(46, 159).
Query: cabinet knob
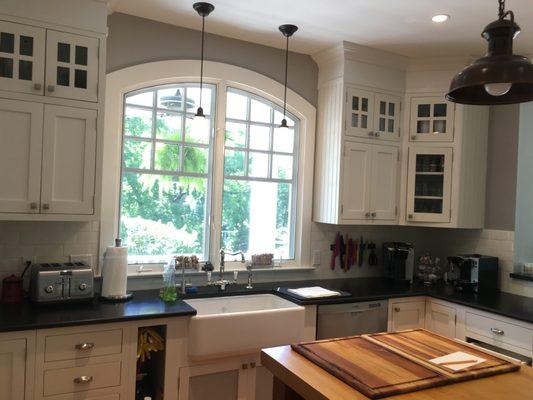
point(377, 134)
point(51, 88)
point(34, 206)
point(410, 216)
point(84, 346)
point(413, 137)
point(244, 366)
point(396, 309)
point(370, 133)
point(497, 331)
point(373, 215)
point(367, 215)
point(83, 379)
point(252, 364)
point(37, 86)
point(46, 206)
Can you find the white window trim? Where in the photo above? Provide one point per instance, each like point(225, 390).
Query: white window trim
point(123, 81)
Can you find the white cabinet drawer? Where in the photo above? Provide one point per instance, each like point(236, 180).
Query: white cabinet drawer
point(81, 345)
point(86, 396)
point(500, 331)
point(78, 379)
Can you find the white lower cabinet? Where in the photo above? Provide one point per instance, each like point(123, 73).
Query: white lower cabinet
point(406, 314)
point(17, 356)
point(441, 319)
point(229, 379)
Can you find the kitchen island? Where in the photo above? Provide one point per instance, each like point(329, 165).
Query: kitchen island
point(295, 378)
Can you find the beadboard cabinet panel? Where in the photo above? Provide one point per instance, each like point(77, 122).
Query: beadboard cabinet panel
point(356, 185)
point(384, 182)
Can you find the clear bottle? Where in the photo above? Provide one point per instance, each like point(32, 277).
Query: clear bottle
point(168, 292)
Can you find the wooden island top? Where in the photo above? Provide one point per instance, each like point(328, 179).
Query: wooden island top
point(295, 377)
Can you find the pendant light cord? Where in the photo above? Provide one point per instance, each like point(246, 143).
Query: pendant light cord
point(202, 61)
point(501, 11)
point(286, 73)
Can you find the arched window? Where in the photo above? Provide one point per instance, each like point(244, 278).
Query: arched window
point(169, 165)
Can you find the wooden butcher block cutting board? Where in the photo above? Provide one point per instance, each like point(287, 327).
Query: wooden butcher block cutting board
point(386, 364)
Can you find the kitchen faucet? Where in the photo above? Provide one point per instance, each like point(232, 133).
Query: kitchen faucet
point(222, 283)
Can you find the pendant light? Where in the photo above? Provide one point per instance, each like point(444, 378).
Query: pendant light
point(500, 77)
point(203, 9)
point(287, 30)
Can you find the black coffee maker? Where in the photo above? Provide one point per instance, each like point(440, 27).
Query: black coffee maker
point(473, 273)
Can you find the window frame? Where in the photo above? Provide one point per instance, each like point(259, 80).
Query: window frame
point(182, 143)
point(222, 74)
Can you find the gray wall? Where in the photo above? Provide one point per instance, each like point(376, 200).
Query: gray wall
point(134, 40)
point(502, 167)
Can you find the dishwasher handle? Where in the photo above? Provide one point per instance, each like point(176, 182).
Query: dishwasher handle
point(350, 309)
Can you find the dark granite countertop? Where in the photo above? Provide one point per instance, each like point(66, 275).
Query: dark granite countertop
point(146, 304)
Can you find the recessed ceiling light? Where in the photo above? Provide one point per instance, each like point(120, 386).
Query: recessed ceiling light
point(440, 18)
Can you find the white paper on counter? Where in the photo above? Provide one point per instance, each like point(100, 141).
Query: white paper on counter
point(313, 292)
point(458, 356)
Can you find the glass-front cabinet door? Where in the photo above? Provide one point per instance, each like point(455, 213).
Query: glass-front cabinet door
point(21, 58)
point(432, 119)
point(429, 184)
point(359, 113)
point(387, 117)
point(71, 66)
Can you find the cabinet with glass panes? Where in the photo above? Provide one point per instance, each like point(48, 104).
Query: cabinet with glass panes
point(431, 119)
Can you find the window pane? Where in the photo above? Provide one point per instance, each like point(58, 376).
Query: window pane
point(197, 130)
point(142, 99)
point(382, 107)
point(258, 165)
point(423, 110)
point(259, 137)
point(81, 55)
point(439, 110)
point(195, 159)
point(167, 157)
point(162, 215)
point(260, 112)
point(25, 70)
point(284, 140)
point(236, 106)
point(256, 217)
point(235, 134)
point(137, 154)
point(138, 122)
point(282, 167)
point(26, 45)
point(168, 126)
point(355, 103)
point(193, 99)
point(6, 67)
point(63, 52)
point(80, 78)
point(7, 42)
point(171, 98)
point(234, 163)
point(63, 76)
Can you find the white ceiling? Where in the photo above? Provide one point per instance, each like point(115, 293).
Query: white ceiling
point(399, 26)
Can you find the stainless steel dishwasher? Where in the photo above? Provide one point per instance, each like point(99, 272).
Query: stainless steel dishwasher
point(340, 320)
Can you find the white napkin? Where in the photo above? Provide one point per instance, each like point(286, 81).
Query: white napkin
point(314, 292)
point(458, 356)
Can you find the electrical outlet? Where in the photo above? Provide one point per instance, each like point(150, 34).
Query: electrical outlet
point(317, 257)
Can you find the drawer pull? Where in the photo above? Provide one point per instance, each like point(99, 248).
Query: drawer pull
point(83, 379)
point(497, 331)
point(396, 309)
point(252, 365)
point(84, 346)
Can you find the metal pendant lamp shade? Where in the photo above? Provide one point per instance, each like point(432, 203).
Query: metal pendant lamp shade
point(500, 77)
point(203, 9)
point(287, 30)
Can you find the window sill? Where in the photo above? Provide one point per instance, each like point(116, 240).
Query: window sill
point(157, 272)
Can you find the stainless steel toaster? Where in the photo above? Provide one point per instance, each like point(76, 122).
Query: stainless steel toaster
point(61, 282)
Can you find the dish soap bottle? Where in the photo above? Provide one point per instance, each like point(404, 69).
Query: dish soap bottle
point(168, 292)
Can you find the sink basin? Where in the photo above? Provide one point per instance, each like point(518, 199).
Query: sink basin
point(232, 325)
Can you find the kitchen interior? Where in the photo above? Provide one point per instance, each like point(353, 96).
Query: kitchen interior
point(280, 200)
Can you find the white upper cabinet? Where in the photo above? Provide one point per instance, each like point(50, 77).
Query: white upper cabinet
point(69, 160)
point(20, 156)
point(387, 111)
point(432, 119)
point(356, 185)
point(429, 184)
point(22, 58)
point(71, 66)
point(384, 183)
point(359, 113)
point(372, 115)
